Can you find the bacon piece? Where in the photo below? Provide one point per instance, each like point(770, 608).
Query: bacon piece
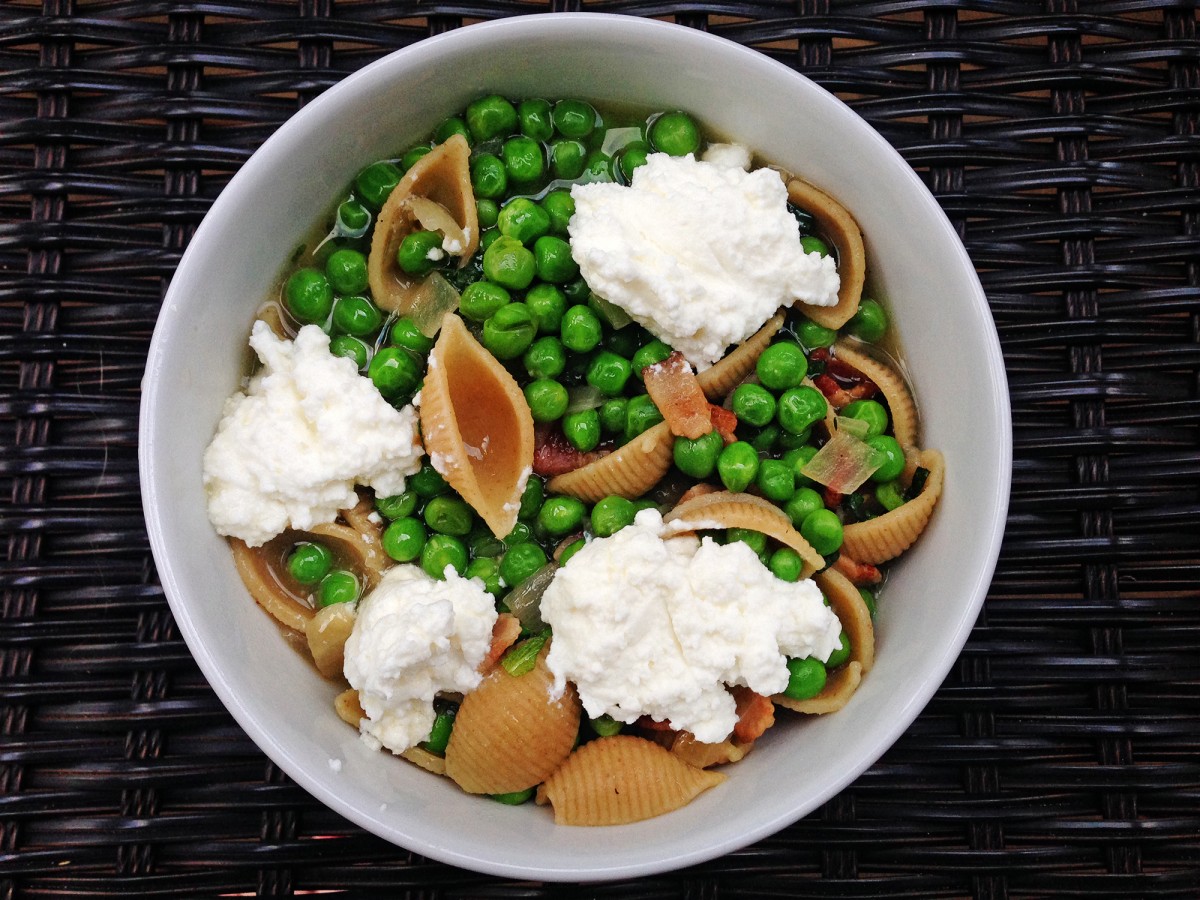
point(552, 455)
point(673, 387)
point(648, 724)
point(504, 634)
point(832, 498)
point(724, 421)
point(756, 714)
point(859, 574)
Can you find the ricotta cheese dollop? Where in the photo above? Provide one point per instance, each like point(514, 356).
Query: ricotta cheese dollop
point(290, 448)
point(414, 636)
point(647, 624)
point(700, 253)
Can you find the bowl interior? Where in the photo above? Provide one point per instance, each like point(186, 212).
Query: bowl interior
point(916, 262)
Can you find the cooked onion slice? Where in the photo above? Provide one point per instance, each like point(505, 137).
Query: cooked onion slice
point(843, 464)
point(431, 300)
point(839, 226)
point(673, 387)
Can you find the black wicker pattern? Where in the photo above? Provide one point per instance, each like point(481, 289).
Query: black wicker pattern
point(1060, 759)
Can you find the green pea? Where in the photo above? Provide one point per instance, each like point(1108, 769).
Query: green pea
point(309, 562)
point(625, 341)
point(753, 404)
point(439, 734)
point(406, 334)
point(482, 544)
point(488, 238)
point(737, 466)
point(523, 220)
point(339, 586)
point(581, 330)
point(582, 429)
point(888, 448)
point(890, 495)
point(350, 347)
point(552, 256)
point(404, 539)
point(486, 570)
point(394, 372)
point(775, 480)
point(597, 168)
point(842, 654)
point(346, 270)
point(608, 373)
point(812, 244)
point(376, 181)
point(521, 533)
point(782, 366)
point(413, 155)
point(612, 414)
point(786, 564)
point(397, 506)
point(612, 514)
point(675, 133)
point(546, 303)
point(574, 118)
point(823, 531)
point(449, 515)
point(481, 299)
point(356, 315)
point(801, 408)
point(811, 335)
point(308, 295)
point(449, 128)
point(420, 253)
point(605, 726)
point(428, 482)
point(547, 399)
point(560, 515)
point(489, 177)
point(756, 540)
point(520, 562)
point(576, 290)
point(567, 158)
point(514, 798)
point(765, 439)
point(798, 459)
point(654, 352)
point(802, 503)
point(509, 331)
point(442, 551)
point(806, 678)
point(353, 219)
point(531, 498)
point(640, 414)
point(633, 157)
point(524, 160)
point(870, 411)
point(560, 207)
point(870, 322)
point(487, 212)
point(533, 117)
point(491, 116)
point(697, 457)
point(545, 358)
point(570, 550)
point(509, 264)
point(868, 598)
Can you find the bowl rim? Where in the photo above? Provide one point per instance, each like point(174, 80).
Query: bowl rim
point(153, 502)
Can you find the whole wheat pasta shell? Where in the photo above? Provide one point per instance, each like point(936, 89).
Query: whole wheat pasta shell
point(266, 586)
point(629, 471)
point(621, 779)
point(442, 176)
point(327, 632)
point(724, 509)
point(719, 379)
point(887, 536)
point(901, 406)
point(348, 708)
point(837, 692)
point(839, 226)
point(509, 735)
point(476, 426)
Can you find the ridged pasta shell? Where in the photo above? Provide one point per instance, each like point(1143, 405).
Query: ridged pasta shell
point(719, 379)
point(509, 735)
point(327, 632)
point(476, 425)
point(621, 779)
point(837, 692)
point(629, 471)
point(901, 406)
point(724, 509)
point(442, 176)
point(839, 226)
point(887, 536)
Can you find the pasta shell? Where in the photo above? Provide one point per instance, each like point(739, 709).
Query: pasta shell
point(837, 692)
point(477, 426)
point(621, 779)
point(719, 379)
point(509, 735)
point(440, 178)
point(266, 586)
point(327, 632)
point(887, 536)
point(901, 406)
point(724, 509)
point(348, 708)
point(629, 471)
point(839, 226)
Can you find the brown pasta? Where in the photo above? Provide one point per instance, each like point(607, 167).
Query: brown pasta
point(621, 779)
point(887, 536)
point(327, 632)
point(839, 226)
point(629, 471)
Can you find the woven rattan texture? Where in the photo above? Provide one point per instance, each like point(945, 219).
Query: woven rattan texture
point(1062, 756)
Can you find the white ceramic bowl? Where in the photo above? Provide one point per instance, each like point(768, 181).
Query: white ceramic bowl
point(199, 348)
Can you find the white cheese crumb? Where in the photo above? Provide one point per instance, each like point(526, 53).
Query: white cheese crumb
point(335, 765)
point(733, 156)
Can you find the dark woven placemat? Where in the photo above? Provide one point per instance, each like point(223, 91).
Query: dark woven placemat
point(1062, 756)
